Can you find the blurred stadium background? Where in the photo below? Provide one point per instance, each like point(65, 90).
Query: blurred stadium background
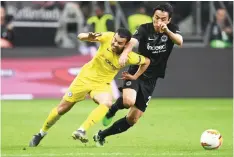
point(40, 56)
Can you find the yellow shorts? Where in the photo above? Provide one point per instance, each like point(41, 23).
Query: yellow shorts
point(78, 89)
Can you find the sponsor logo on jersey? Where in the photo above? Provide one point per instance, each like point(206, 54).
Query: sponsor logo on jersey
point(109, 62)
point(156, 49)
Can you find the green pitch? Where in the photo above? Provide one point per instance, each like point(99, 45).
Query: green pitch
point(169, 128)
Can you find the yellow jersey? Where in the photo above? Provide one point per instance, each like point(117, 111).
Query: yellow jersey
point(105, 64)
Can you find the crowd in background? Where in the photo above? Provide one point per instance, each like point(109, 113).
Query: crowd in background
point(220, 32)
point(6, 29)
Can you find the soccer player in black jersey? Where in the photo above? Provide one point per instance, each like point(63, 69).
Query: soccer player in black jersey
point(155, 41)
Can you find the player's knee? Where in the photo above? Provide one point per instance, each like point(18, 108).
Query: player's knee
point(64, 107)
point(132, 120)
point(128, 102)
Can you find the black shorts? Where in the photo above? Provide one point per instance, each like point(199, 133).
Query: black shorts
point(144, 89)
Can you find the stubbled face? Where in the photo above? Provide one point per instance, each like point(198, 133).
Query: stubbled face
point(160, 17)
point(118, 44)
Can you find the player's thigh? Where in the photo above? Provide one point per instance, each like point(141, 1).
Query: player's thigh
point(103, 98)
point(130, 89)
point(134, 115)
point(142, 100)
point(144, 94)
point(77, 91)
point(102, 94)
point(129, 97)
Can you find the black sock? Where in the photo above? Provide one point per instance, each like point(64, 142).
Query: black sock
point(118, 127)
point(118, 105)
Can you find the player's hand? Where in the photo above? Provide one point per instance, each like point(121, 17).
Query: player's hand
point(127, 76)
point(93, 36)
point(123, 59)
point(163, 27)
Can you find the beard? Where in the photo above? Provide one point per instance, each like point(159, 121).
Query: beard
point(117, 50)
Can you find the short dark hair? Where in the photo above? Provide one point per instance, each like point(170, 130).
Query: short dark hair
point(124, 33)
point(167, 7)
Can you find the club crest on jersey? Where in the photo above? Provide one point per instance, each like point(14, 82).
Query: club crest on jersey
point(69, 94)
point(128, 83)
point(164, 38)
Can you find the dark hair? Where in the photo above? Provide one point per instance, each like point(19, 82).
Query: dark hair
point(100, 5)
point(167, 7)
point(124, 33)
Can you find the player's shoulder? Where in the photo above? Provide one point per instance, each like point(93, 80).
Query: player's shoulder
point(174, 28)
point(173, 25)
point(147, 26)
point(107, 34)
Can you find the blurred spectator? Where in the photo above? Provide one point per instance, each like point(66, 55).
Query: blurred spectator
point(221, 33)
point(101, 22)
point(6, 30)
point(140, 17)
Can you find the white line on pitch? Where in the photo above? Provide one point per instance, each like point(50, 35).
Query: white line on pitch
point(108, 154)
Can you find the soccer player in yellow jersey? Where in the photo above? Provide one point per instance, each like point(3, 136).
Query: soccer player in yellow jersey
point(94, 79)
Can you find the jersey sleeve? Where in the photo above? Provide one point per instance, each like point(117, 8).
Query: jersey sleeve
point(139, 33)
point(105, 36)
point(175, 29)
point(135, 59)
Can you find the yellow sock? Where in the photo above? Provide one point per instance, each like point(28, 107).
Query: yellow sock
point(51, 120)
point(95, 116)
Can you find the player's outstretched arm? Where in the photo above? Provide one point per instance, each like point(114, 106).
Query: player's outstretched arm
point(142, 68)
point(89, 36)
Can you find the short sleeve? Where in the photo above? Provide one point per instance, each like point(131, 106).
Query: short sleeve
point(135, 59)
point(105, 36)
point(175, 29)
point(139, 33)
